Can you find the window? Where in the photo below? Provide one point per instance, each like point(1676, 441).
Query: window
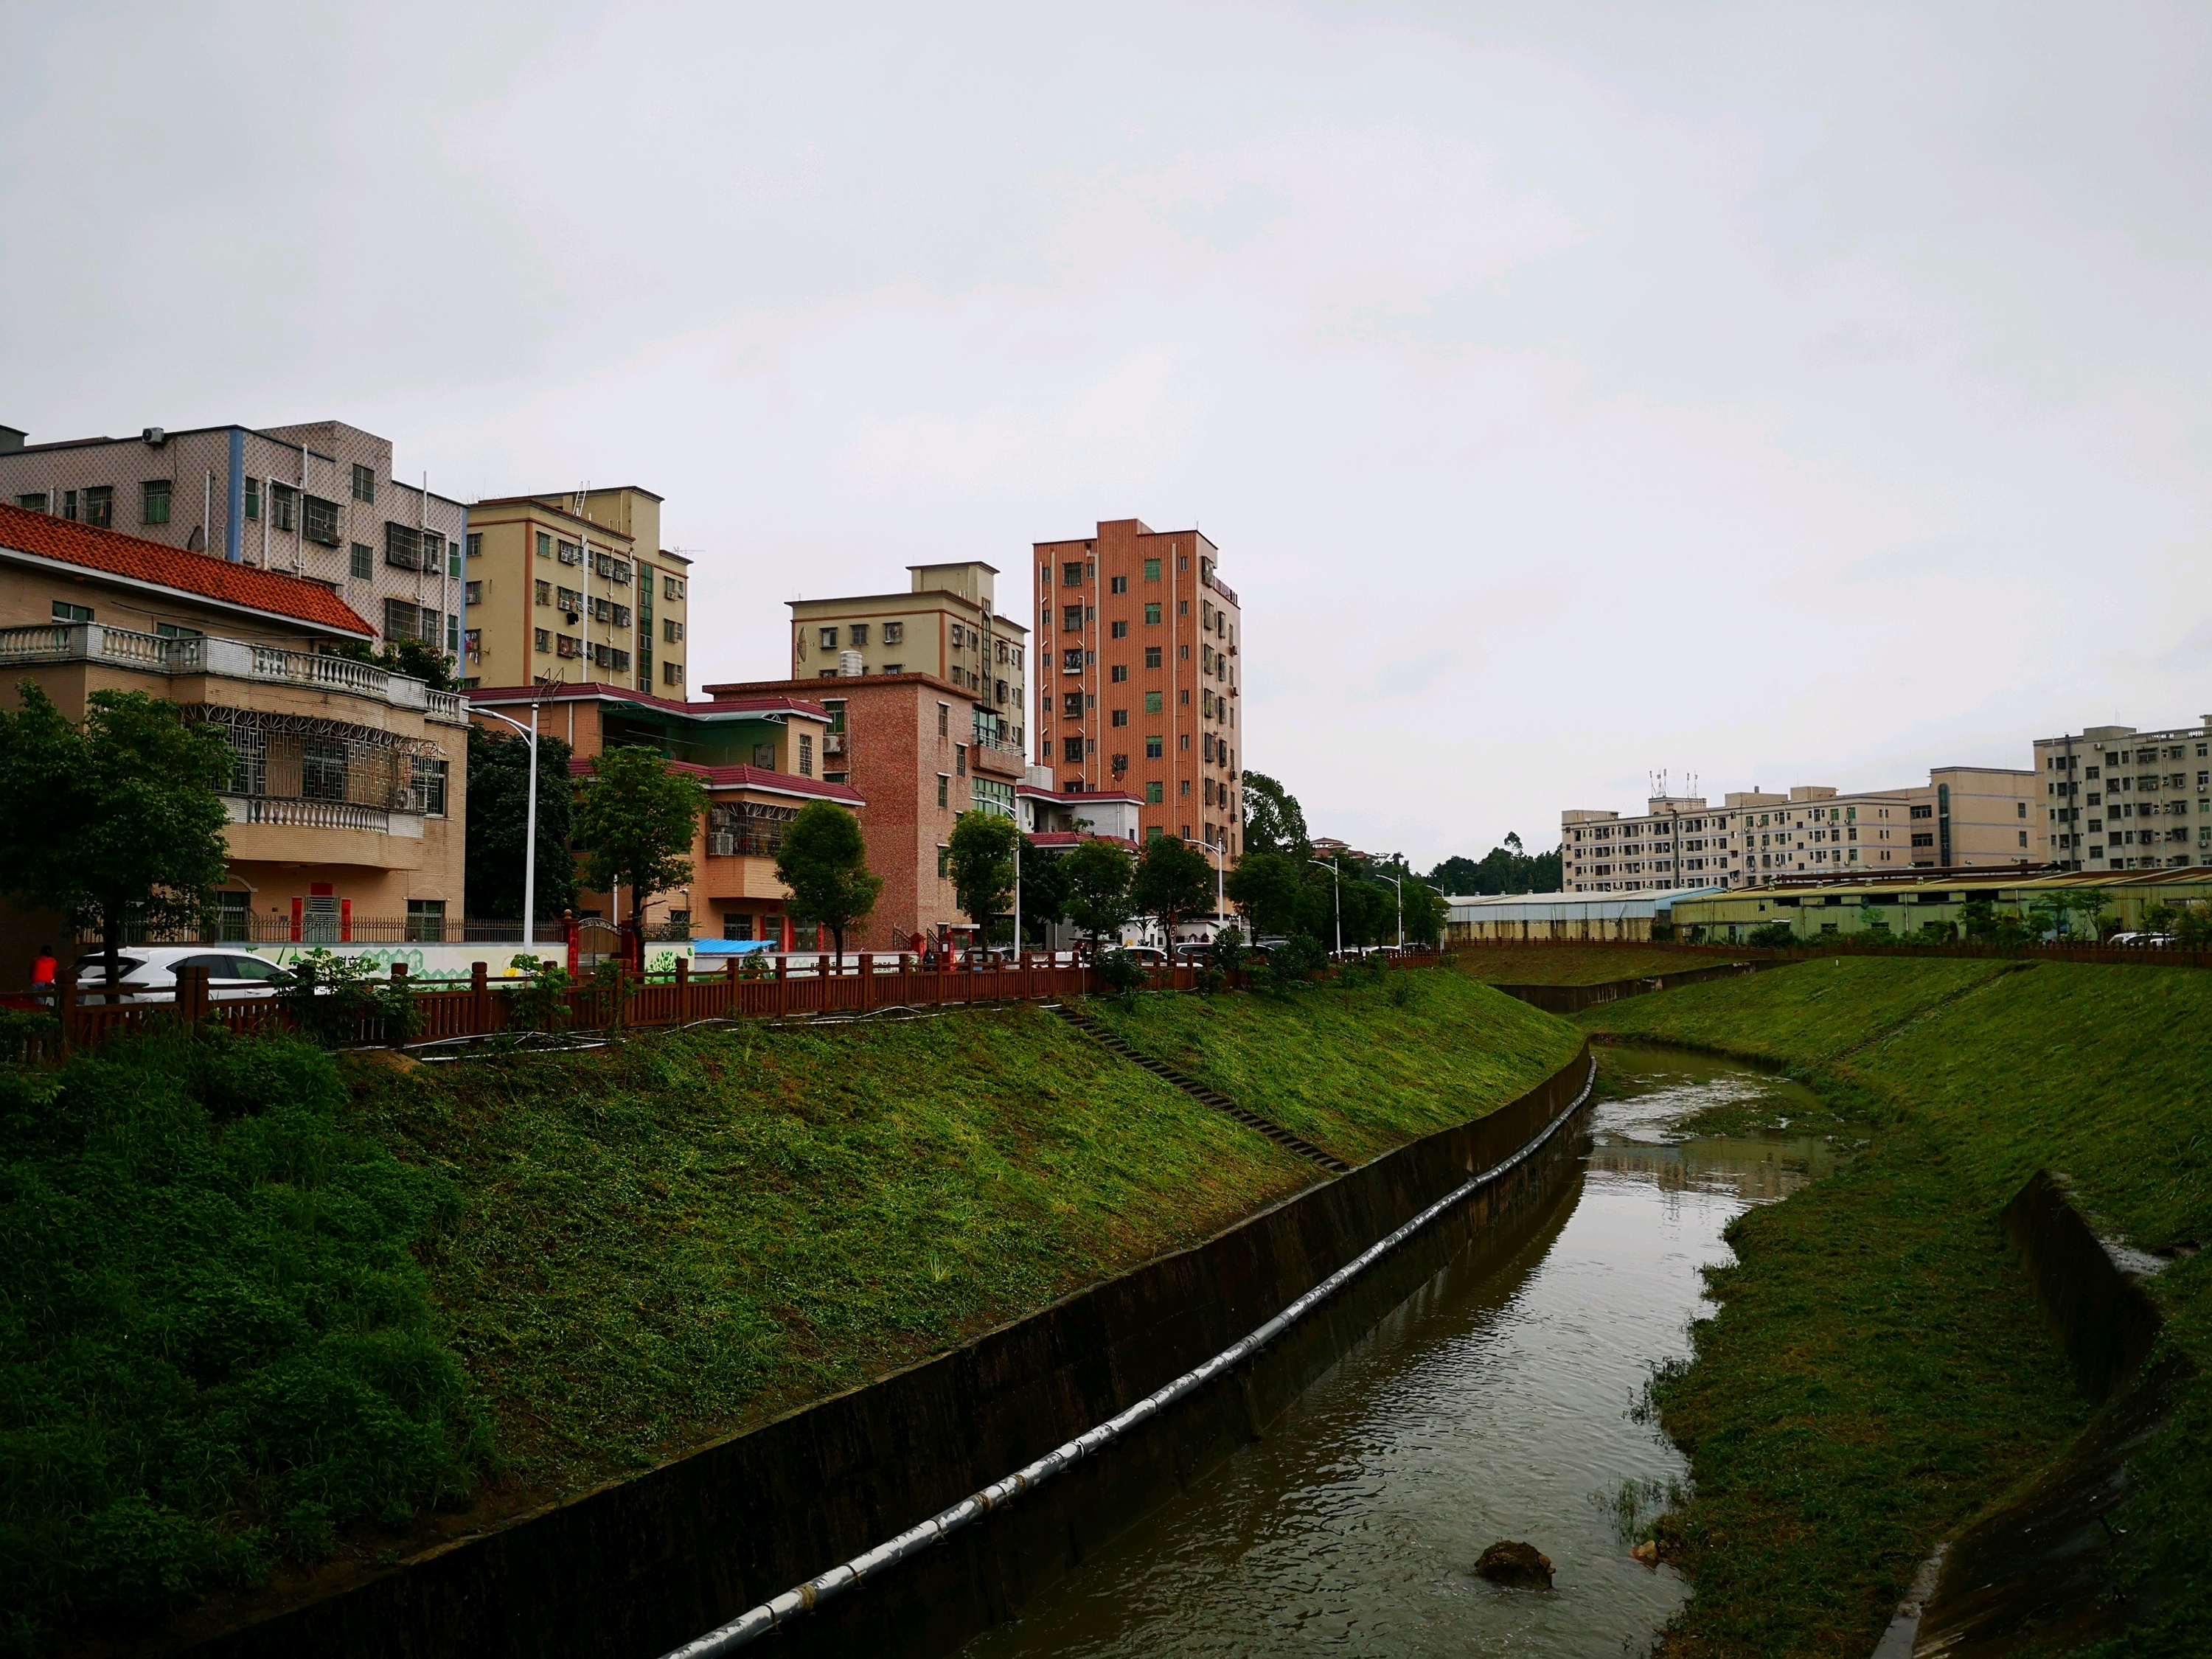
point(1151, 570)
point(1182, 609)
point(426, 788)
point(1119, 672)
point(943, 854)
point(542, 639)
point(476, 544)
point(1071, 573)
point(362, 561)
point(1924, 838)
point(1155, 748)
point(1071, 748)
point(1151, 656)
point(960, 760)
point(1152, 702)
point(2023, 812)
point(153, 501)
point(944, 719)
point(943, 789)
point(1121, 717)
point(671, 630)
point(894, 668)
point(544, 546)
point(564, 644)
point(1155, 792)
point(671, 587)
point(828, 639)
point(621, 617)
point(173, 631)
point(426, 921)
point(403, 621)
point(35, 503)
point(894, 633)
point(452, 554)
point(1071, 616)
point(567, 553)
point(1120, 584)
point(100, 505)
point(66, 612)
point(1071, 704)
point(859, 632)
point(671, 673)
point(541, 591)
point(364, 482)
point(318, 520)
point(322, 769)
point(1121, 630)
point(1152, 616)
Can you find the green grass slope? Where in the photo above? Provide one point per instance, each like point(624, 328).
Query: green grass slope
point(1356, 1071)
point(1840, 1367)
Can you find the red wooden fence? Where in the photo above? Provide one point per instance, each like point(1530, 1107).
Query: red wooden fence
point(482, 1007)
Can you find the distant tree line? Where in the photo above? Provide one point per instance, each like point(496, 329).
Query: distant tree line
point(1507, 869)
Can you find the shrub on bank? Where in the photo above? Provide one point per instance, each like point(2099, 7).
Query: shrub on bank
point(216, 1346)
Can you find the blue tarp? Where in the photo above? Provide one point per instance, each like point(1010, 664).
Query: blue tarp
point(730, 947)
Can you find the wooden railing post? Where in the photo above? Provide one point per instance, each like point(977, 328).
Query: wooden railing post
point(479, 998)
point(191, 995)
point(65, 1004)
point(867, 982)
point(683, 990)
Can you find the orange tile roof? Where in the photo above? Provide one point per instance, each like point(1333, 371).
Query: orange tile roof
point(200, 574)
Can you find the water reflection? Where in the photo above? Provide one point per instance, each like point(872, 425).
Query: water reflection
point(1493, 1404)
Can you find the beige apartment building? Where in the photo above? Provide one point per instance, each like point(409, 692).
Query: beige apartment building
point(2117, 799)
point(1141, 677)
point(575, 588)
point(1966, 818)
point(348, 789)
point(947, 625)
point(319, 501)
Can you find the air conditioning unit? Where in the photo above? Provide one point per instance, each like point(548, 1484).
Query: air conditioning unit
point(722, 844)
point(832, 742)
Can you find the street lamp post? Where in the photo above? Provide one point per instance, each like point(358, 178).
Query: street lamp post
point(1337, 877)
point(1220, 877)
point(530, 846)
point(1399, 883)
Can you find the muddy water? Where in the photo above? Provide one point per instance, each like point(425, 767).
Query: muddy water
point(1494, 1404)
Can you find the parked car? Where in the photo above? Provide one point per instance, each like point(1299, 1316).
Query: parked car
point(1192, 951)
point(151, 972)
point(1147, 955)
point(2145, 941)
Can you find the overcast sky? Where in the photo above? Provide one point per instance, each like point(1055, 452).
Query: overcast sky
point(1776, 393)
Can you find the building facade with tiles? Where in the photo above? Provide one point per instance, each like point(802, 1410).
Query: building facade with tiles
point(319, 501)
point(347, 793)
point(2117, 799)
point(1139, 676)
point(575, 587)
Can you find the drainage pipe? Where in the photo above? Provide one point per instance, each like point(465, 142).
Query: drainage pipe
point(805, 1598)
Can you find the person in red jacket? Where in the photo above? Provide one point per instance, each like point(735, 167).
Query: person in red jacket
point(44, 969)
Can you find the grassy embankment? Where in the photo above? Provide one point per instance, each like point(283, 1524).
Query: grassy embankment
point(1511, 964)
point(272, 1314)
point(1356, 1072)
point(1876, 1372)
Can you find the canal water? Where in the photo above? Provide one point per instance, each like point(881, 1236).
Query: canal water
point(1494, 1404)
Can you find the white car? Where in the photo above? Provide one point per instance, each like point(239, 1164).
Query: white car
point(150, 970)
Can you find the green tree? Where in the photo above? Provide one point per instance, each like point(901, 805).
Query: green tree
point(115, 821)
point(825, 862)
point(1274, 820)
point(637, 824)
point(1426, 914)
point(498, 825)
point(1098, 873)
point(1507, 868)
point(1266, 887)
point(1044, 891)
point(980, 858)
point(1174, 879)
point(415, 659)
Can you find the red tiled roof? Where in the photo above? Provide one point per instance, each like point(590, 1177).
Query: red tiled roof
point(751, 777)
point(201, 575)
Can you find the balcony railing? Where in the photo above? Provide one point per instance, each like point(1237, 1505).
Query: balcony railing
point(243, 660)
point(309, 814)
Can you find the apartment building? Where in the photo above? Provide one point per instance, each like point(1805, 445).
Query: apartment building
point(918, 751)
point(2117, 799)
point(1965, 817)
point(348, 790)
point(574, 588)
point(1139, 680)
point(759, 759)
point(947, 625)
point(318, 501)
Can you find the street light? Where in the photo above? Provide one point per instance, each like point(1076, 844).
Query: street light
point(1335, 876)
point(1399, 883)
point(1220, 880)
point(530, 847)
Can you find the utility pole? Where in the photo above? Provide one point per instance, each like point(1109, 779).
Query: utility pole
point(530, 846)
point(1339, 880)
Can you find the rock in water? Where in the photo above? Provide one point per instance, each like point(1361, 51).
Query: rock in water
point(1647, 1552)
point(1518, 1564)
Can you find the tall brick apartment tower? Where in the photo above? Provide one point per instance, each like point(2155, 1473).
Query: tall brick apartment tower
point(1138, 676)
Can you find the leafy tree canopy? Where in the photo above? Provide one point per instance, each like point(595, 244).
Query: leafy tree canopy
point(1174, 879)
point(1507, 868)
point(116, 821)
point(636, 824)
point(499, 813)
point(825, 862)
point(1266, 887)
point(1098, 873)
point(980, 861)
point(1044, 891)
point(1274, 821)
